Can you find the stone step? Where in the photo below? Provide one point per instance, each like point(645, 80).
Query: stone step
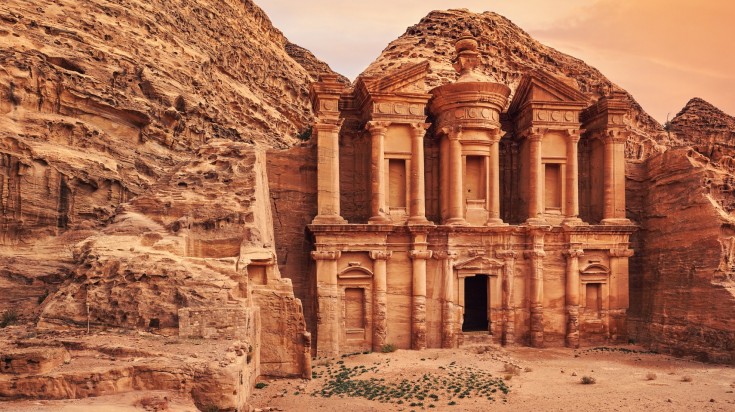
point(477, 338)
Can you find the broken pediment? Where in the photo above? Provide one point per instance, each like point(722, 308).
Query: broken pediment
point(406, 79)
point(479, 264)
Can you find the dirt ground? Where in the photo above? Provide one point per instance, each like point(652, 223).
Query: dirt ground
point(627, 379)
point(472, 379)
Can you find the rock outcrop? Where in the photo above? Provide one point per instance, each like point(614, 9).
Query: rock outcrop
point(682, 278)
point(708, 130)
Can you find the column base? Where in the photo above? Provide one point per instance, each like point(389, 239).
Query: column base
point(456, 221)
point(380, 220)
point(419, 220)
point(616, 221)
point(536, 221)
point(329, 220)
point(573, 221)
point(495, 221)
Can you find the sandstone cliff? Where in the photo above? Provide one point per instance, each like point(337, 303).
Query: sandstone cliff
point(708, 129)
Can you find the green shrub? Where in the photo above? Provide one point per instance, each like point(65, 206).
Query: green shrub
point(260, 385)
point(9, 317)
point(388, 348)
point(588, 380)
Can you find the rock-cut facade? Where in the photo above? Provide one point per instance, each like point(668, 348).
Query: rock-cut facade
point(454, 215)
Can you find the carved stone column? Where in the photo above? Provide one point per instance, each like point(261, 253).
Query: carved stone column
point(449, 334)
point(614, 178)
point(619, 292)
point(327, 317)
point(536, 255)
point(493, 203)
point(535, 170)
point(417, 204)
point(572, 195)
point(455, 184)
point(377, 172)
point(328, 207)
point(418, 307)
point(509, 256)
point(380, 303)
point(572, 296)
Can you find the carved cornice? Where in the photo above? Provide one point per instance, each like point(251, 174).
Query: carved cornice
point(326, 254)
point(380, 254)
point(420, 254)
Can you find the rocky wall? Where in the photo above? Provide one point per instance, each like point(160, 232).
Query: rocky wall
point(681, 277)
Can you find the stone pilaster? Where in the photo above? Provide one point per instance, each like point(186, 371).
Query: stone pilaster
point(619, 299)
point(449, 321)
point(327, 318)
point(535, 179)
point(380, 303)
point(418, 307)
point(455, 184)
point(377, 131)
point(417, 209)
point(493, 194)
point(572, 178)
point(509, 257)
point(572, 296)
point(536, 256)
point(328, 206)
point(613, 212)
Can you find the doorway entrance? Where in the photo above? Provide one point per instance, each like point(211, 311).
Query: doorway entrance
point(475, 304)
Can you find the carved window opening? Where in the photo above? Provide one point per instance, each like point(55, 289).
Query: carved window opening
point(476, 304)
point(397, 183)
point(354, 309)
point(475, 178)
point(552, 187)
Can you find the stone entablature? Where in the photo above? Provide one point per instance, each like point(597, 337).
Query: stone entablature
point(464, 218)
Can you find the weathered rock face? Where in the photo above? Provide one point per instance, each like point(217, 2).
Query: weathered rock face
point(681, 279)
point(100, 98)
point(708, 130)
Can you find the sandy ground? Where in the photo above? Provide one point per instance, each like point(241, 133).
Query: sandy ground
point(548, 380)
point(627, 379)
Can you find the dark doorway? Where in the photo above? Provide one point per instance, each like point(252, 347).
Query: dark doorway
point(475, 304)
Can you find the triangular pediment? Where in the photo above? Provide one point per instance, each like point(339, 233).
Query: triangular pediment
point(539, 86)
point(479, 264)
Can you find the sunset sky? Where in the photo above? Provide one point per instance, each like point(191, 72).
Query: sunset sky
point(664, 52)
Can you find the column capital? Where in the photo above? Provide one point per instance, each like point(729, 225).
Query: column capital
point(453, 132)
point(614, 136)
point(326, 254)
point(380, 254)
point(445, 254)
point(328, 125)
point(535, 253)
point(621, 252)
point(377, 127)
point(574, 253)
point(574, 135)
point(419, 128)
point(506, 254)
point(420, 254)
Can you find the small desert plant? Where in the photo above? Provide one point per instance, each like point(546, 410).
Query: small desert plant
point(9, 317)
point(260, 385)
point(511, 369)
point(650, 376)
point(305, 134)
point(388, 348)
point(686, 378)
point(588, 380)
point(528, 369)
